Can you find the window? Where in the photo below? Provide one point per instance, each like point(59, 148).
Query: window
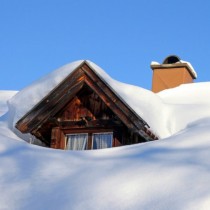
point(76, 141)
point(102, 140)
point(82, 141)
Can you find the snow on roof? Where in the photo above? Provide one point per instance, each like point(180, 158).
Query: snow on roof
point(145, 103)
point(192, 70)
point(28, 97)
point(166, 113)
point(191, 93)
point(185, 104)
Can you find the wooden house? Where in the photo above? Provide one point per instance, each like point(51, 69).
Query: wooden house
point(84, 112)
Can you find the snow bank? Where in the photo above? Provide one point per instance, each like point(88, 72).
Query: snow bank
point(5, 95)
point(185, 104)
point(167, 174)
point(192, 93)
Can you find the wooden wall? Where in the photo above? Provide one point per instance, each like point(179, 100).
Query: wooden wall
point(86, 113)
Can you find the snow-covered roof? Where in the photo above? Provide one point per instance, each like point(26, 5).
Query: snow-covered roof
point(139, 99)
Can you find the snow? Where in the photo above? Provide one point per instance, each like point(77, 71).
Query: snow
point(5, 95)
point(149, 106)
point(196, 93)
point(39, 89)
point(129, 93)
point(154, 63)
point(172, 173)
point(185, 104)
point(167, 174)
point(192, 70)
point(144, 102)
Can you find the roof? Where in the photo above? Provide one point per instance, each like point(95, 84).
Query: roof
point(139, 100)
point(57, 98)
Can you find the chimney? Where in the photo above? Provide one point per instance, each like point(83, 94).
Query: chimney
point(171, 73)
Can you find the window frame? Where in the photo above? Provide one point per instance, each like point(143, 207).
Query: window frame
point(73, 134)
point(92, 135)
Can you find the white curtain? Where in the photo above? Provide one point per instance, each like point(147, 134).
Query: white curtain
point(102, 140)
point(76, 141)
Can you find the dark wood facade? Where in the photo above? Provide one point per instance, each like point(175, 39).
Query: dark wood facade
point(84, 103)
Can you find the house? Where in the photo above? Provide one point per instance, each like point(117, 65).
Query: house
point(84, 112)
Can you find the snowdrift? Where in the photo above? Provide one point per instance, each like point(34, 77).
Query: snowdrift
point(5, 95)
point(167, 174)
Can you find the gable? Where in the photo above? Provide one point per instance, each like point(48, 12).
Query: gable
point(82, 78)
point(86, 104)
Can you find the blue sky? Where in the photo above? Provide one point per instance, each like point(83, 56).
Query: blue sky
point(122, 37)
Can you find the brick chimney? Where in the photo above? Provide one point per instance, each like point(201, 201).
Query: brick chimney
point(171, 73)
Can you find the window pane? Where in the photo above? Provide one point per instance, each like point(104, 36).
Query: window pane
point(76, 141)
point(102, 140)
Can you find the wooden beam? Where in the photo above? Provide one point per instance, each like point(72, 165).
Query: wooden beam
point(86, 130)
point(100, 123)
